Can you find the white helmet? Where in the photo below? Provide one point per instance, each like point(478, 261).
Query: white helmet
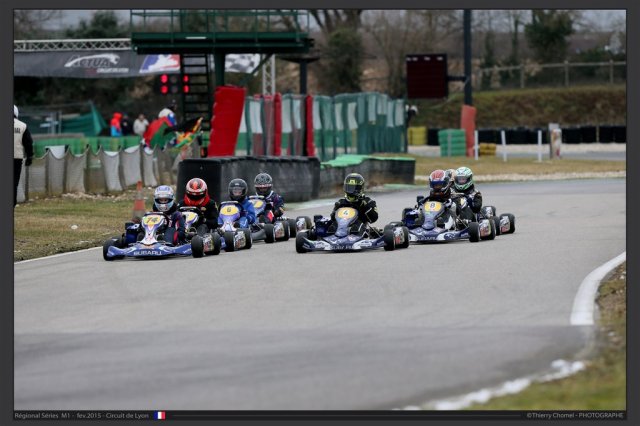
point(15, 111)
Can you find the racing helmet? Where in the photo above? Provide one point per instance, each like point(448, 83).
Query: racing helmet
point(440, 183)
point(163, 198)
point(463, 179)
point(196, 190)
point(263, 184)
point(238, 190)
point(353, 186)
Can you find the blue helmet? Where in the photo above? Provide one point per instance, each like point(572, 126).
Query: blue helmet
point(163, 198)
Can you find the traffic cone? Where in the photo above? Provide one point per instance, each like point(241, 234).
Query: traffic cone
point(138, 205)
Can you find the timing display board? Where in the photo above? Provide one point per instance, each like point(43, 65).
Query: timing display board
point(427, 76)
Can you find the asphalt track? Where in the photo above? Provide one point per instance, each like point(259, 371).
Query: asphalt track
point(269, 328)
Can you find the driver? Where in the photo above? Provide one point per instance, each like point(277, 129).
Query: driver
point(263, 184)
point(197, 195)
point(238, 193)
point(174, 227)
point(440, 190)
point(463, 184)
point(354, 197)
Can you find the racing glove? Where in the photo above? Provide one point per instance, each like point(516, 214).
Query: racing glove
point(243, 222)
point(28, 161)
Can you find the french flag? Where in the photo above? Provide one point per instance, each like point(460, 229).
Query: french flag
point(160, 415)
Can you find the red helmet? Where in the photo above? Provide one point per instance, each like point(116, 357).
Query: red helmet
point(196, 190)
point(440, 183)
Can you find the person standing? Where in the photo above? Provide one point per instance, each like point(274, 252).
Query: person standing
point(140, 125)
point(116, 129)
point(22, 148)
point(170, 112)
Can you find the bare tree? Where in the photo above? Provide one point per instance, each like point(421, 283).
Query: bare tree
point(399, 33)
point(31, 24)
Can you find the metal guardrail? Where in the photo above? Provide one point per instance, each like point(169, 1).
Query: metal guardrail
point(528, 70)
point(71, 44)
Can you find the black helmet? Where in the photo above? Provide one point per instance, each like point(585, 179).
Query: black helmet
point(263, 184)
point(237, 190)
point(353, 186)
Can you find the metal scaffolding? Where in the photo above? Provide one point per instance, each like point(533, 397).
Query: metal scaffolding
point(68, 44)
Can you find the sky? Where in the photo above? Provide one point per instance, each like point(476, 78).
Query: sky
point(604, 18)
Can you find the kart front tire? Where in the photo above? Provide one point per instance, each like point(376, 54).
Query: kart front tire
point(217, 243)
point(512, 223)
point(287, 234)
point(389, 240)
point(229, 241)
point(474, 232)
point(197, 246)
point(105, 248)
point(269, 233)
point(492, 230)
point(247, 238)
point(300, 242)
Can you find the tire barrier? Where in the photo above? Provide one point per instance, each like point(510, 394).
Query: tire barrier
point(295, 178)
point(486, 149)
point(376, 171)
point(417, 135)
point(453, 142)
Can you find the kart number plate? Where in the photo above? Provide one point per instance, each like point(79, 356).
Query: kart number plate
point(432, 206)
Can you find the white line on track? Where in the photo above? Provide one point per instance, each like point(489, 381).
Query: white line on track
point(584, 302)
point(55, 255)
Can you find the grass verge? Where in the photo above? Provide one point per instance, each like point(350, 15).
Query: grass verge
point(527, 166)
point(602, 385)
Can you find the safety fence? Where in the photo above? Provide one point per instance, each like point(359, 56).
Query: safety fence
point(61, 171)
point(361, 123)
point(603, 133)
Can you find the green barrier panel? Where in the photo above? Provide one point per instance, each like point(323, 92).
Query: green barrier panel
point(452, 142)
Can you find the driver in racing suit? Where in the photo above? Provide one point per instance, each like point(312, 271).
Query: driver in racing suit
point(238, 192)
point(354, 197)
point(463, 184)
point(197, 195)
point(263, 183)
point(440, 190)
point(174, 228)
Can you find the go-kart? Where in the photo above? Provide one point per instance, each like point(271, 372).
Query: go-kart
point(233, 237)
point(197, 233)
point(267, 226)
point(430, 222)
point(152, 245)
point(350, 234)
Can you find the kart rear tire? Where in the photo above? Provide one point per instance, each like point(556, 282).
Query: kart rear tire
point(247, 238)
point(512, 222)
point(197, 246)
point(493, 210)
point(389, 240)
point(286, 236)
point(105, 248)
point(405, 231)
point(292, 227)
point(217, 243)
point(496, 220)
point(269, 234)
point(300, 242)
point(474, 232)
point(307, 221)
point(229, 241)
point(492, 230)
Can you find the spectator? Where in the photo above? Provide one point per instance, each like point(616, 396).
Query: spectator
point(140, 125)
point(126, 125)
point(22, 144)
point(116, 129)
point(170, 113)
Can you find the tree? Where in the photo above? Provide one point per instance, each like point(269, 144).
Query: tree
point(344, 61)
point(399, 33)
point(103, 24)
point(547, 34)
point(30, 24)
